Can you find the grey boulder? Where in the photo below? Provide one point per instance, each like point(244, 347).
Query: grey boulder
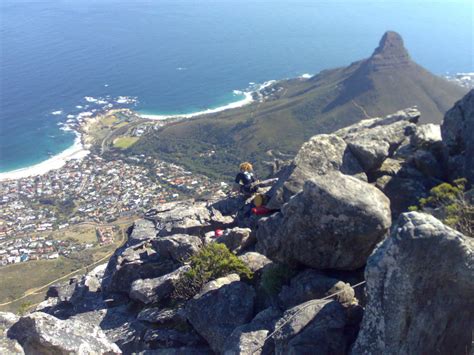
point(154, 290)
point(334, 223)
point(420, 289)
point(314, 327)
point(251, 338)
point(7, 345)
point(177, 247)
point(457, 131)
point(216, 313)
point(41, 333)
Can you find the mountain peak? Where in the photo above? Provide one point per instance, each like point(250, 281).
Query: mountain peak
point(391, 51)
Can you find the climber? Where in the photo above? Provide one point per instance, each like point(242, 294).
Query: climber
point(246, 179)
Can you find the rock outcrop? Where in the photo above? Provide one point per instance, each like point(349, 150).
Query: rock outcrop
point(216, 313)
point(457, 129)
point(41, 333)
point(334, 223)
point(420, 286)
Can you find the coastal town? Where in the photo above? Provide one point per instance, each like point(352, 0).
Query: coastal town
point(91, 190)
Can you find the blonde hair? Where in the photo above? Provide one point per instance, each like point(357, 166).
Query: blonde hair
point(246, 166)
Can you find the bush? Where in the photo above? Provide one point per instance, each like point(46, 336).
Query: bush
point(210, 263)
point(456, 211)
point(275, 276)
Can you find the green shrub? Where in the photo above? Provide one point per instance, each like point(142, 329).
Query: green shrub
point(457, 212)
point(275, 276)
point(211, 262)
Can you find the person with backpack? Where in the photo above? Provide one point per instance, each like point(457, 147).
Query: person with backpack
point(246, 179)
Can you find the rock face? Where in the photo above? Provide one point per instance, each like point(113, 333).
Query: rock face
point(314, 327)
point(334, 223)
point(420, 285)
point(41, 333)
point(154, 290)
point(215, 314)
point(8, 346)
point(321, 154)
point(457, 129)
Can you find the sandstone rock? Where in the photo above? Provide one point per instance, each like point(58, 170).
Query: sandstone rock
point(334, 223)
point(218, 283)
point(426, 136)
point(7, 345)
point(321, 154)
point(178, 247)
point(41, 333)
point(250, 338)
point(142, 230)
point(187, 217)
point(420, 286)
point(314, 327)
point(255, 261)
point(374, 140)
point(215, 314)
point(237, 239)
point(311, 284)
point(456, 130)
point(139, 261)
point(154, 290)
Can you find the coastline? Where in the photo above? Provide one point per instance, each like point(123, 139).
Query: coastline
point(248, 99)
point(76, 151)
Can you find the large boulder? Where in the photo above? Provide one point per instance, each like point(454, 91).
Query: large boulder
point(375, 139)
point(251, 338)
point(456, 130)
point(154, 290)
point(216, 313)
point(41, 333)
point(7, 345)
point(177, 247)
point(420, 286)
point(334, 223)
point(313, 327)
point(237, 239)
point(134, 262)
point(187, 217)
point(321, 154)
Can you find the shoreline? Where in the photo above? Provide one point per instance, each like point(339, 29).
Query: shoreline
point(248, 99)
point(76, 151)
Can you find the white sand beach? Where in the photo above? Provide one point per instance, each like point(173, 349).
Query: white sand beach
point(248, 99)
point(76, 151)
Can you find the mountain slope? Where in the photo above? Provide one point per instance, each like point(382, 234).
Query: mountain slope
point(294, 110)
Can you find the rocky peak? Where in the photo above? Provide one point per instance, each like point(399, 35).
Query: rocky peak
point(391, 52)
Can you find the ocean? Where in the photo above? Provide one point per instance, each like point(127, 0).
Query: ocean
point(61, 58)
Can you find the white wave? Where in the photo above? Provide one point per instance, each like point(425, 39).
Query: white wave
point(90, 99)
point(76, 151)
point(85, 114)
point(101, 102)
point(70, 116)
point(71, 120)
point(251, 83)
point(237, 92)
point(56, 113)
point(106, 85)
point(79, 106)
point(306, 76)
point(65, 128)
point(181, 68)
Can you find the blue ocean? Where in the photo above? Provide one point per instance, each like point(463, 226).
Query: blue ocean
point(61, 58)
